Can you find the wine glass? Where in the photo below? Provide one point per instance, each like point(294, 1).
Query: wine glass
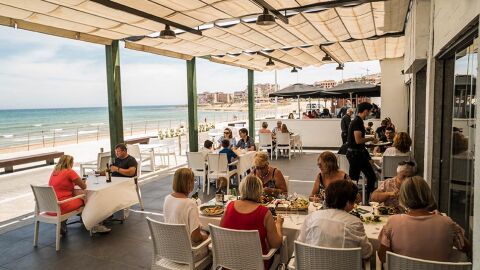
point(97, 174)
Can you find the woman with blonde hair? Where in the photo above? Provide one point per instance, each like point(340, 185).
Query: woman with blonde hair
point(63, 180)
point(329, 172)
point(401, 146)
point(272, 178)
point(422, 232)
point(248, 214)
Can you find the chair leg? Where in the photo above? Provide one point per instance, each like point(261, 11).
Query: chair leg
point(35, 233)
point(57, 237)
point(208, 186)
point(228, 185)
point(139, 194)
point(175, 157)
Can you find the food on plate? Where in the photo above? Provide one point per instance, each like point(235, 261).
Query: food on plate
point(212, 210)
point(386, 210)
point(299, 204)
point(265, 200)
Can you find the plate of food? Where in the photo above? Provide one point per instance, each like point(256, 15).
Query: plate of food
point(386, 210)
point(212, 210)
point(299, 204)
point(266, 200)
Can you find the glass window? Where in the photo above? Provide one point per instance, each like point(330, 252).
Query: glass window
point(463, 137)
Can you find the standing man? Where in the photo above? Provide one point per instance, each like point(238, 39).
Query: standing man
point(345, 123)
point(357, 154)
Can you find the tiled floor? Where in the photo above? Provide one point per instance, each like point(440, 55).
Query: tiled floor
point(126, 247)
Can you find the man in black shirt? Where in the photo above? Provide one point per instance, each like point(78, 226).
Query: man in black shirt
point(345, 123)
point(380, 131)
point(124, 165)
point(357, 154)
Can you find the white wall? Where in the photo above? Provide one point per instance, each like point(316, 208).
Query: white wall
point(394, 93)
point(315, 132)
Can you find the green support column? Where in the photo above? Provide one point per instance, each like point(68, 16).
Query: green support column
point(251, 105)
point(115, 115)
point(192, 105)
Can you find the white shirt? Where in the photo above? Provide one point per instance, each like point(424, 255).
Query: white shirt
point(181, 211)
point(205, 152)
point(394, 152)
point(336, 229)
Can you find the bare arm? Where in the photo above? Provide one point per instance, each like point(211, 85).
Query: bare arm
point(79, 182)
point(280, 182)
point(128, 172)
point(359, 139)
point(274, 230)
point(382, 253)
point(198, 235)
point(379, 196)
point(316, 186)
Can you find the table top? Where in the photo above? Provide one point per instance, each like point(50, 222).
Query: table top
point(93, 185)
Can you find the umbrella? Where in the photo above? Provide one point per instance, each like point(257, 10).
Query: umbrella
point(350, 88)
point(297, 90)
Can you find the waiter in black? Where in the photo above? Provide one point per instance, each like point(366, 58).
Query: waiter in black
point(357, 154)
point(345, 123)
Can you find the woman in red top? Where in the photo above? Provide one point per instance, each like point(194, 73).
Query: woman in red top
point(63, 181)
point(248, 214)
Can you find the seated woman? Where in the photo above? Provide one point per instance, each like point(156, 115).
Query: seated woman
point(401, 146)
point(420, 233)
point(329, 172)
point(227, 135)
point(179, 209)
point(334, 227)
point(291, 116)
point(388, 190)
point(248, 214)
point(63, 180)
point(284, 129)
point(272, 178)
point(264, 128)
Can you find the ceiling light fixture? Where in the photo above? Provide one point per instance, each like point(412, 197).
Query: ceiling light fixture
point(340, 67)
point(326, 58)
point(266, 18)
point(270, 62)
point(167, 33)
point(294, 70)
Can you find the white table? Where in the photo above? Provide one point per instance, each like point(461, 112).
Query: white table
point(104, 199)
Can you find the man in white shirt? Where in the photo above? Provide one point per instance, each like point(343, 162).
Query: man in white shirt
point(207, 149)
point(334, 227)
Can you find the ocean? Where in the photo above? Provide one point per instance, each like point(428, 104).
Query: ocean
point(24, 126)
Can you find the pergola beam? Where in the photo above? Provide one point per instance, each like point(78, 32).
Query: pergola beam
point(275, 12)
point(127, 9)
point(278, 60)
point(329, 4)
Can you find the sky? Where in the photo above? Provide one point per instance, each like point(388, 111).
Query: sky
point(41, 71)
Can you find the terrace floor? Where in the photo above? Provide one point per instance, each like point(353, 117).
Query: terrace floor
point(126, 247)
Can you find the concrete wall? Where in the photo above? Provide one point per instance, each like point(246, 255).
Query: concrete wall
point(450, 17)
point(394, 93)
point(416, 36)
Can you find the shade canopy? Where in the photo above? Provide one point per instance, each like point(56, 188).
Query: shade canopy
point(225, 31)
point(297, 90)
point(344, 90)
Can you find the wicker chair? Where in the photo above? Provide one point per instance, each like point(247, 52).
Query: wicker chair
point(314, 257)
point(172, 248)
point(46, 201)
point(395, 261)
point(239, 250)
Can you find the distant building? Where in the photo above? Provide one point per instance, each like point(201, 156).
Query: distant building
point(239, 96)
point(326, 84)
point(223, 97)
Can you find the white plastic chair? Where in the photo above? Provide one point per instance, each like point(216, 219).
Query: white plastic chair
point(101, 165)
point(172, 248)
point(218, 166)
point(46, 201)
point(300, 187)
point(265, 143)
point(396, 261)
point(196, 162)
point(283, 143)
point(165, 152)
point(313, 257)
point(239, 250)
point(134, 151)
point(390, 164)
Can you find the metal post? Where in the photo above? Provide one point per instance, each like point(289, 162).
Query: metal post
point(53, 137)
point(192, 106)
point(298, 104)
point(251, 105)
point(77, 135)
point(112, 53)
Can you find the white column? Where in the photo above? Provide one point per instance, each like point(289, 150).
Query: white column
point(394, 93)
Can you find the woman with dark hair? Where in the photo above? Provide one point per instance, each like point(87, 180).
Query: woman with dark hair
point(422, 232)
point(329, 172)
point(227, 135)
point(334, 227)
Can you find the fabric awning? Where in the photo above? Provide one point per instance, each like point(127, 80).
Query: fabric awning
point(344, 90)
point(297, 90)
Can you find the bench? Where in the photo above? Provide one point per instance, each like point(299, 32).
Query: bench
point(10, 162)
point(140, 140)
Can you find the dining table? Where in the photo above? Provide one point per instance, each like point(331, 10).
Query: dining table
point(103, 199)
point(293, 222)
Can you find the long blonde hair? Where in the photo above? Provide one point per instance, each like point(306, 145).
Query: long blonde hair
point(65, 162)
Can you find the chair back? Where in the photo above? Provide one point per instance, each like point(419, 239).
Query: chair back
point(265, 140)
point(45, 199)
point(102, 160)
point(196, 162)
point(283, 138)
point(155, 140)
point(396, 261)
point(170, 241)
point(390, 164)
point(229, 249)
point(343, 163)
point(217, 163)
point(134, 151)
point(314, 257)
point(300, 187)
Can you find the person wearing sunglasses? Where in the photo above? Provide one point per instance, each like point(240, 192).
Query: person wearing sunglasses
point(272, 178)
point(227, 135)
point(388, 190)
